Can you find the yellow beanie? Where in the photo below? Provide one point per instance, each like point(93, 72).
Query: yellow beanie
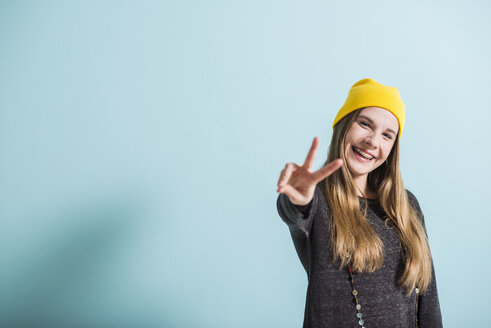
point(368, 92)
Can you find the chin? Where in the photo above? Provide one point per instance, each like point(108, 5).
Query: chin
point(357, 172)
point(356, 168)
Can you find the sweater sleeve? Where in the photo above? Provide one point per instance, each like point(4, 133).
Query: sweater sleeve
point(298, 218)
point(429, 314)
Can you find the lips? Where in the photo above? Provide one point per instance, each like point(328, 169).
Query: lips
point(363, 153)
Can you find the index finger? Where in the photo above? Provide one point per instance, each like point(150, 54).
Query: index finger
point(309, 161)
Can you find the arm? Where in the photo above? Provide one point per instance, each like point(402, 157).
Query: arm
point(299, 220)
point(429, 313)
point(299, 196)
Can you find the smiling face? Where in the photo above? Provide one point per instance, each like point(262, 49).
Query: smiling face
point(369, 141)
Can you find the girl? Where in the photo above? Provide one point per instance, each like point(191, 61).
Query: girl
point(359, 234)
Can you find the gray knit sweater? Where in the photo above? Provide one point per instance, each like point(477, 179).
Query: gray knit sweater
point(329, 300)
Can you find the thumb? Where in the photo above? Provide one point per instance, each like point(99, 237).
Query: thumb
point(292, 193)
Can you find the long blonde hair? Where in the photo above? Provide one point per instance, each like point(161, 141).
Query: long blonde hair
point(350, 231)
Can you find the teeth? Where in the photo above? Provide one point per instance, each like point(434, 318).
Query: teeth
point(359, 151)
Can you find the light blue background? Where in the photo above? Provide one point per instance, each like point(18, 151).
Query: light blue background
point(141, 143)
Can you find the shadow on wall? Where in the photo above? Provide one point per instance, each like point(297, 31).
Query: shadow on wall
point(68, 271)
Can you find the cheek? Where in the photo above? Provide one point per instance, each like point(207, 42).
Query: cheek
point(386, 151)
point(346, 145)
point(356, 131)
point(347, 149)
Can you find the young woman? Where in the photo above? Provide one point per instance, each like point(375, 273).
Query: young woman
point(359, 234)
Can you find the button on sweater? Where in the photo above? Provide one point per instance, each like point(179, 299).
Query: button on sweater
point(329, 300)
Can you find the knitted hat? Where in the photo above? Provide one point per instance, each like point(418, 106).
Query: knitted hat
point(368, 92)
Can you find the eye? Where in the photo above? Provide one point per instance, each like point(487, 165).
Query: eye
point(363, 123)
point(388, 136)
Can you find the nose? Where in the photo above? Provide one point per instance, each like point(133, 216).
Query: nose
point(370, 142)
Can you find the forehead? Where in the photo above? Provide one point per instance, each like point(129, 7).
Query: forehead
point(382, 117)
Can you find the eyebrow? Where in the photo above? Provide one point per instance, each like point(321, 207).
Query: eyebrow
point(371, 121)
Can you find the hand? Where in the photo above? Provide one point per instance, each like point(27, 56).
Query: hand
point(298, 182)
